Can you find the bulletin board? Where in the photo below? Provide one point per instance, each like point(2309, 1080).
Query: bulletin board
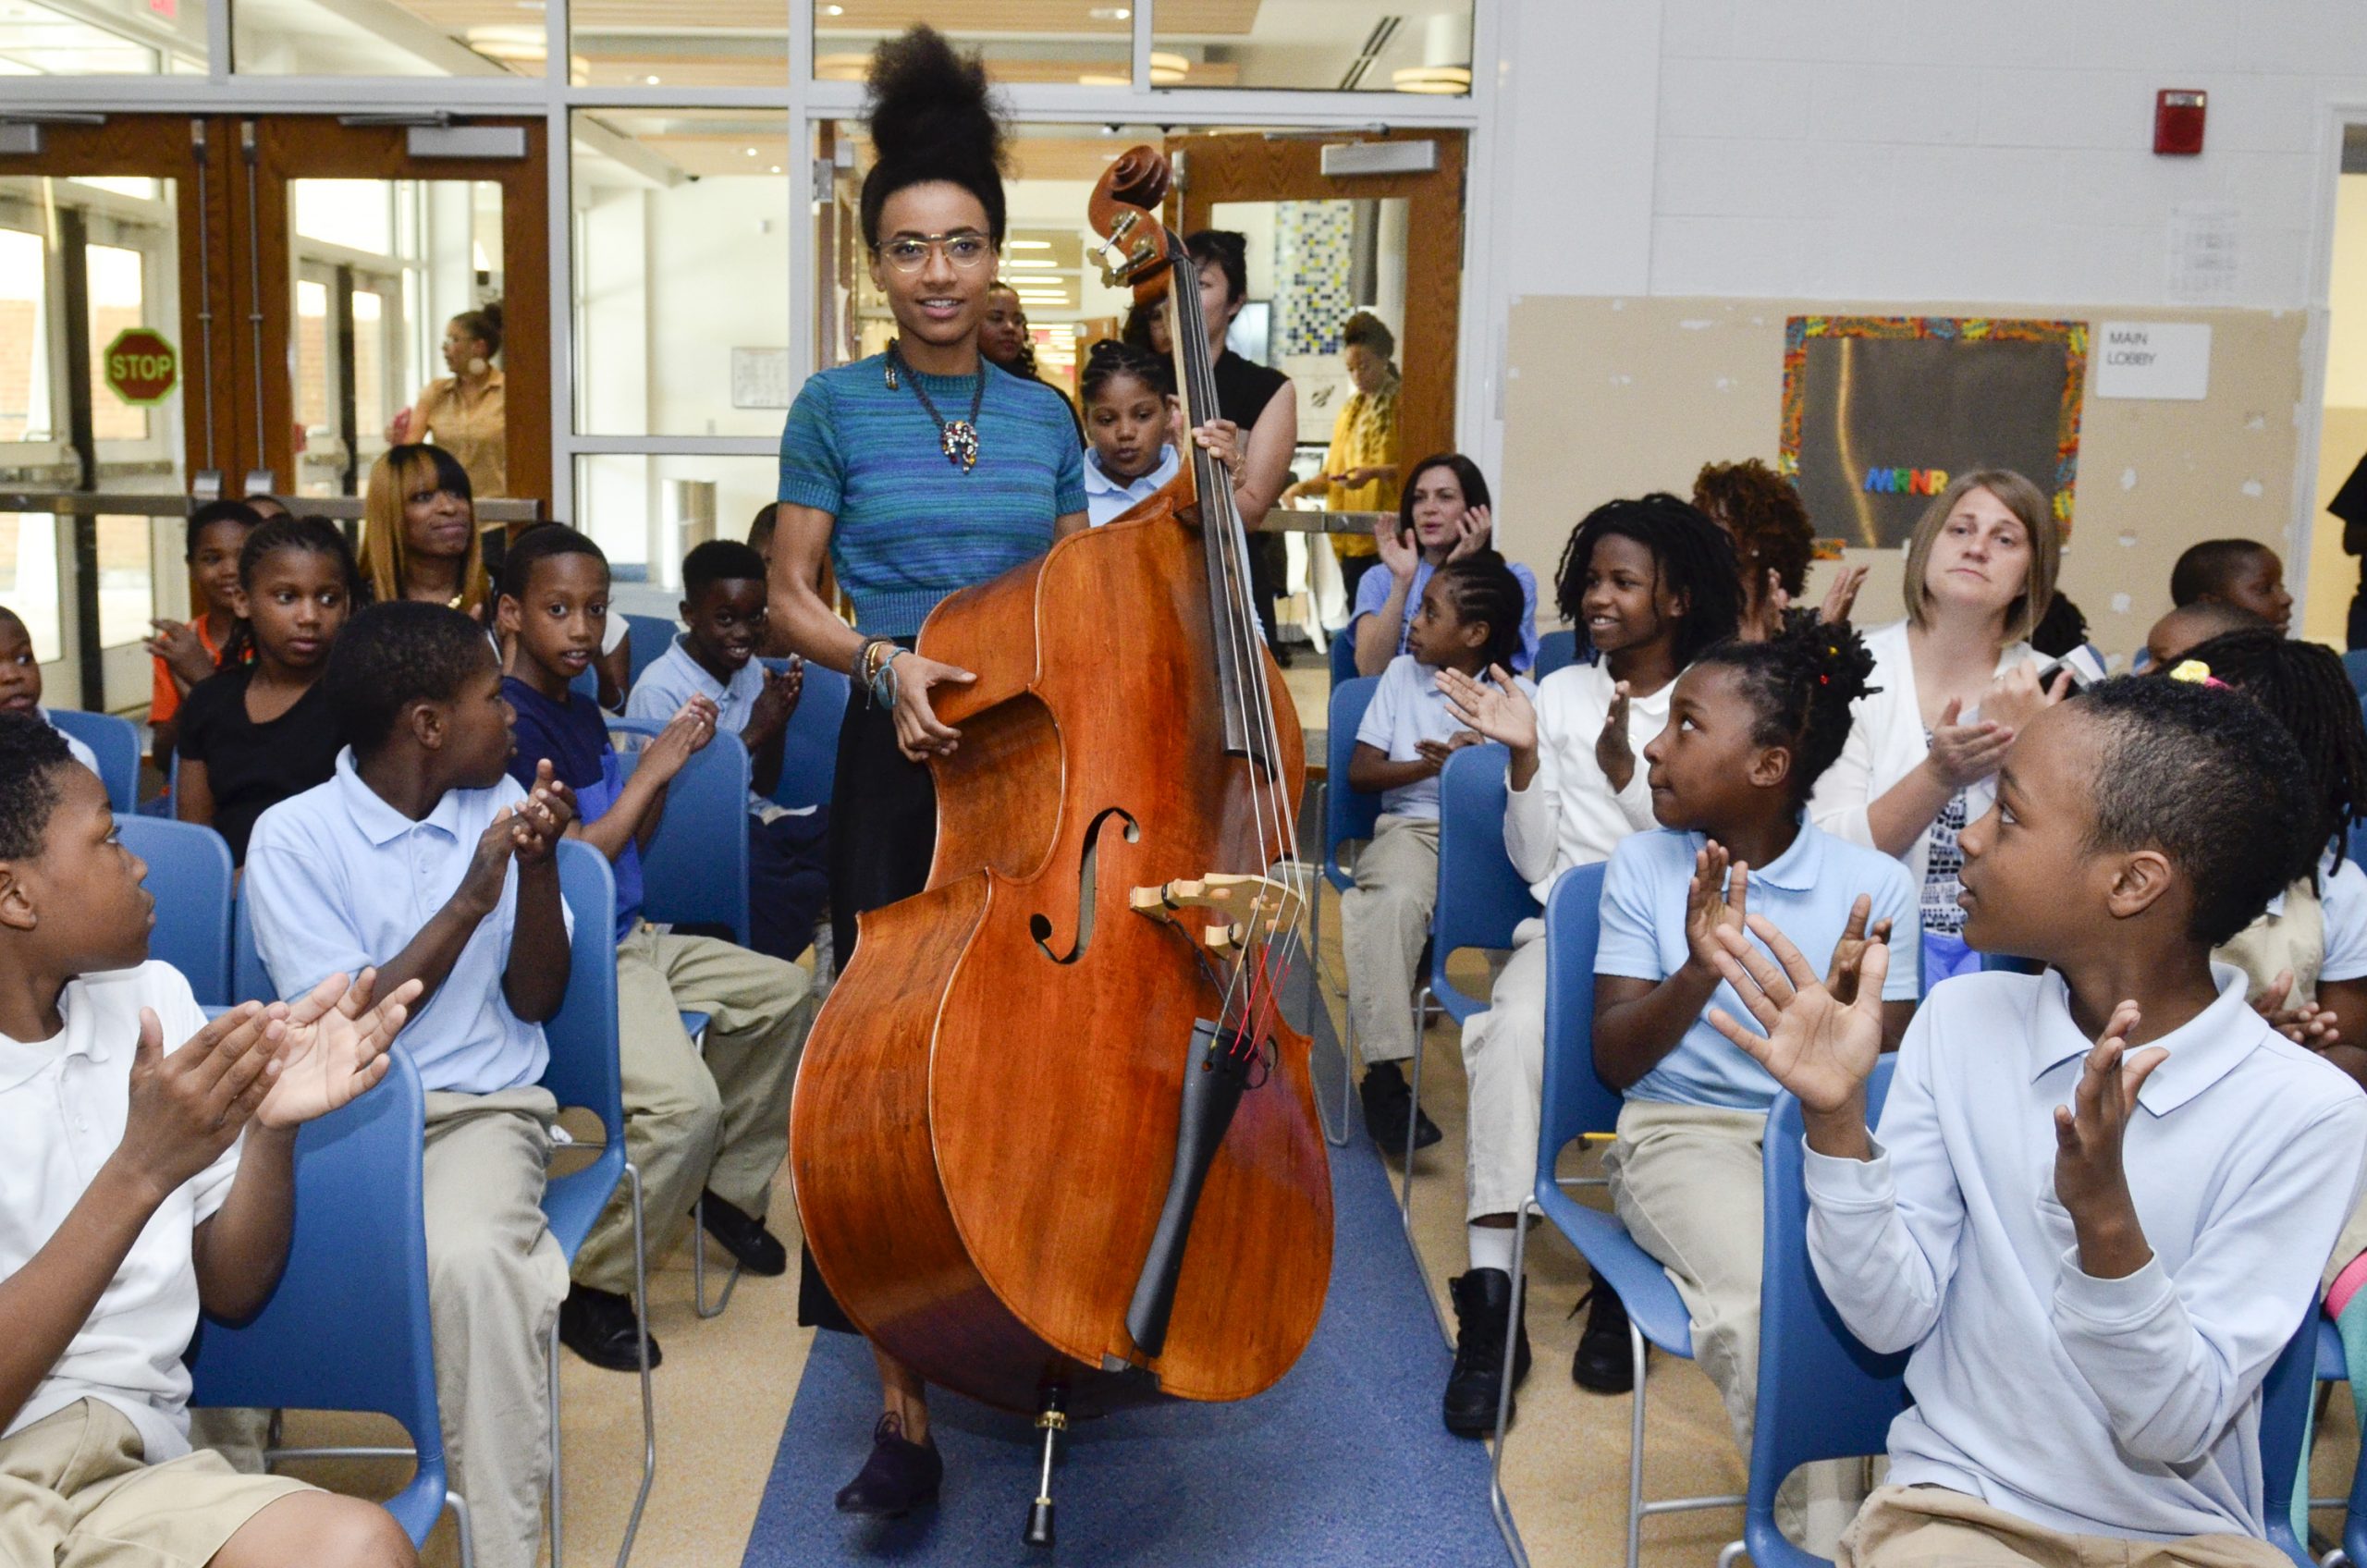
point(1881, 412)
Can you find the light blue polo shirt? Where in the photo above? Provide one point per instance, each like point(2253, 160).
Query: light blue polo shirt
point(338, 880)
point(1807, 892)
point(1372, 593)
point(673, 678)
point(1408, 708)
point(1106, 500)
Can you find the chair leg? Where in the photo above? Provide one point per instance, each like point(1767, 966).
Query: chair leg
point(558, 1529)
point(459, 1507)
point(1348, 1036)
point(648, 1406)
point(1497, 1502)
point(1636, 1448)
point(698, 1244)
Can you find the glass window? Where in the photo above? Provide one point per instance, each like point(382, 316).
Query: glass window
point(24, 341)
point(423, 37)
point(647, 512)
point(1328, 46)
point(356, 214)
point(127, 580)
point(117, 302)
point(29, 580)
point(310, 352)
point(102, 37)
point(680, 44)
point(1022, 41)
point(681, 272)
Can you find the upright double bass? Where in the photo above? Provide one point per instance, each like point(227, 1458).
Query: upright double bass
point(1055, 1147)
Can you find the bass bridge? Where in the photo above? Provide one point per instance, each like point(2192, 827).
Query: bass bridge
point(1233, 910)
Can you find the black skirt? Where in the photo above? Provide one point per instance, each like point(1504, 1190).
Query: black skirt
point(883, 834)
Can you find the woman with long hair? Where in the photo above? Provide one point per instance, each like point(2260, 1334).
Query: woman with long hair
point(419, 532)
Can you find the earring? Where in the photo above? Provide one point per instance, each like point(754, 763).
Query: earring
point(479, 366)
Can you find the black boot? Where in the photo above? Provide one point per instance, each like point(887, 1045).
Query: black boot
point(1604, 1362)
point(900, 1476)
point(1387, 1100)
point(1483, 1303)
point(744, 1237)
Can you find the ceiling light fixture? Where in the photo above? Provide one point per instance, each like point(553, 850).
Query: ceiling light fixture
point(1452, 80)
point(1027, 244)
point(1029, 262)
point(1110, 14)
point(649, 82)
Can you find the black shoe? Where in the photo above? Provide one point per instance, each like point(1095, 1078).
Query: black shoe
point(898, 1476)
point(758, 1250)
point(1605, 1362)
point(1483, 1303)
point(1388, 1098)
point(600, 1327)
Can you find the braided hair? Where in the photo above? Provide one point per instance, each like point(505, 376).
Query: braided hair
point(2304, 686)
point(310, 534)
point(1483, 589)
point(931, 118)
point(1695, 560)
point(1112, 360)
point(1800, 685)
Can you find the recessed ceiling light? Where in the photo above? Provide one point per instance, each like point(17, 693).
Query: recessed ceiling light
point(750, 152)
point(1110, 13)
point(834, 10)
point(1025, 262)
point(776, 169)
point(1028, 244)
point(649, 82)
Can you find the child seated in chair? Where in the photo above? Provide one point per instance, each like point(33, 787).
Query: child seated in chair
point(2099, 1199)
point(1649, 584)
point(719, 1124)
point(1752, 727)
point(142, 1185)
point(21, 683)
point(723, 605)
point(422, 857)
point(1469, 619)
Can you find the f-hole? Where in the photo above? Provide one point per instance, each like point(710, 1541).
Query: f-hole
point(1040, 926)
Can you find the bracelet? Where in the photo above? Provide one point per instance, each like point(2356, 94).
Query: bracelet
point(883, 685)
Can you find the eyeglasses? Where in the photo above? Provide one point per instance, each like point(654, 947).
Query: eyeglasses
point(966, 251)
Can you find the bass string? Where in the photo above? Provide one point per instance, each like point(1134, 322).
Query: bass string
point(1252, 1003)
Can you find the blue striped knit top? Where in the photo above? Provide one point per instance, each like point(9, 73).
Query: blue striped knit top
point(912, 527)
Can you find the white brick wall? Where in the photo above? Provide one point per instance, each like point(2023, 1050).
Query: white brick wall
point(1911, 150)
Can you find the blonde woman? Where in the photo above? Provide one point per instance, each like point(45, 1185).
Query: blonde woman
point(1956, 680)
point(419, 534)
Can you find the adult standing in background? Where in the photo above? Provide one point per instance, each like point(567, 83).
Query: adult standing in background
point(2349, 504)
point(465, 412)
point(1003, 340)
point(1360, 470)
point(1258, 400)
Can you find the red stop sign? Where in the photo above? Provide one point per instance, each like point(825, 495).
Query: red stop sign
point(141, 365)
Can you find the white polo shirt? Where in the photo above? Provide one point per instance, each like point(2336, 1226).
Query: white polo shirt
point(82, 753)
point(1569, 815)
point(1408, 708)
point(63, 1105)
point(2122, 1407)
point(338, 880)
point(673, 678)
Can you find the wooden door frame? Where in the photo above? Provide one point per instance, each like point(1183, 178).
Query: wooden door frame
point(320, 147)
point(1254, 167)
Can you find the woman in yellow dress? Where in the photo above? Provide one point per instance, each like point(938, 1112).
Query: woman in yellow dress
point(1360, 470)
point(465, 412)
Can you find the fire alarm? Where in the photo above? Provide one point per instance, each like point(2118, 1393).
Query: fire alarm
point(2177, 121)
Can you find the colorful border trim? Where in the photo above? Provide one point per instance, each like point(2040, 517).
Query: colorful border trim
point(2072, 335)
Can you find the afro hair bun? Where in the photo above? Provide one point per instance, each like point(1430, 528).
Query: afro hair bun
point(932, 117)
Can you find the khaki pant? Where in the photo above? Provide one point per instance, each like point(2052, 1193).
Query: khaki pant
point(1384, 919)
point(1686, 1181)
point(1933, 1527)
point(1504, 1058)
point(75, 1492)
point(720, 1123)
point(495, 1278)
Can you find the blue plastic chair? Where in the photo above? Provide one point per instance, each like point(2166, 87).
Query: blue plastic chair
point(1555, 650)
point(652, 635)
point(2285, 1396)
point(1822, 1393)
point(116, 743)
point(809, 747)
point(584, 1072)
point(695, 870)
point(1578, 1104)
point(1480, 900)
point(188, 873)
point(1343, 654)
point(358, 1255)
point(249, 981)
point(2355, 663)
point(1349, 817)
